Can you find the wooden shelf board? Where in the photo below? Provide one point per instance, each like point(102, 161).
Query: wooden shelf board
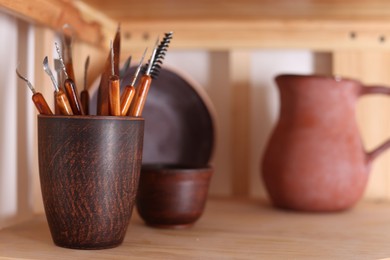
point(228, 229)
point(89, 25)
point(129, 10)
point(273, 34)
point(232, 24)
point(218, 25)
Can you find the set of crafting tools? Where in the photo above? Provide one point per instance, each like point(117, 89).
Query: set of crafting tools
point(110, 100)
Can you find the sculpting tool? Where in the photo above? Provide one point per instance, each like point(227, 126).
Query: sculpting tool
point(60, 79)
point(67, 50)
point(129, 91)
point(70, 88)
point(152, 70)
point(38, 99)
point(103, 106)
point(84, 95)
point(114, 89)
point(61, 99)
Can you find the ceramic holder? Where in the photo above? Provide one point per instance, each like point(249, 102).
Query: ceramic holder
point(89, 171)
point(172, 196)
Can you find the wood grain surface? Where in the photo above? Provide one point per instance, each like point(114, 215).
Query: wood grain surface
point(229, 229)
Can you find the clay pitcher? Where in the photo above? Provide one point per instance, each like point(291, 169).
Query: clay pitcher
point(315, 160)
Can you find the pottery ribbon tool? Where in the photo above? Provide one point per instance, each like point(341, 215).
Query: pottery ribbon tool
point(152, 70)
point(103, 107)
point(114, 89)
point(38, 99)
point(129, 91)
point(109, 98)
point(61, 99)
point(143, 88)
point(67, 50)
point(84, 95)
point(70, 88)
point(60, 79)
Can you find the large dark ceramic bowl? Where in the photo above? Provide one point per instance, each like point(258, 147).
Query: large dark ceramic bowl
point(179, 121)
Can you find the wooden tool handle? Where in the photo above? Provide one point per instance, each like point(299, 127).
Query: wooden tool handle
point(71, 91)
point(140, 96)
point(84, 98)
point(126, 98)
point(69, 70)
point(41, 104)
point(103, 106)
point(56, 107)
point(63, 103)
point(114, 96)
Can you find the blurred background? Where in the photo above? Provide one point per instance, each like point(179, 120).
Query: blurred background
point(232, 49)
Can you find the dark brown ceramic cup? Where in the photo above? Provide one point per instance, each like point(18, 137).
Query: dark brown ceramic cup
point(89, 171)
point(172, 196)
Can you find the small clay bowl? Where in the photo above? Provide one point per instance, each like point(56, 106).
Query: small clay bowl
point(172, 196)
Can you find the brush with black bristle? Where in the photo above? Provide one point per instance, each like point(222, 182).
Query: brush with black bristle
point(162, 49)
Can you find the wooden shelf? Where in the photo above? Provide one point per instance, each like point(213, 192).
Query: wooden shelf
point(356, 32)
point(228, 229)
point(219, 25)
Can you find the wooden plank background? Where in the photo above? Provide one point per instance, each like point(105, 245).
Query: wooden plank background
point(357, 39)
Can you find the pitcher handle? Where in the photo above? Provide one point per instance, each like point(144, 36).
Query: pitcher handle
point(386, 145)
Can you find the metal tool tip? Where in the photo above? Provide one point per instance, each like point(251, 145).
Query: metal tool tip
point(112, 58)
point(66, 26)
point(143, 55)
point(30, 86)
point(19, 75)
point(61, 60)
point(67, 33)
point(157, 40)
point(57, 48)
point(17, 66)
point(86, 65)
